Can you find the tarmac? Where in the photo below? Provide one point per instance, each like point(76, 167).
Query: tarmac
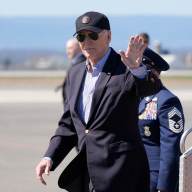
point(28, 118)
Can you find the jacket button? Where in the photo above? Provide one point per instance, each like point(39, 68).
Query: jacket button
point(86, 131)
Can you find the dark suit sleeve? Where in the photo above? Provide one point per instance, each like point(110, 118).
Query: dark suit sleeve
point(146, 87)
point(65, 137)
point(171, 120)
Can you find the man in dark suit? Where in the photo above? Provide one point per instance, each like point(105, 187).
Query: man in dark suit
point(101, 115)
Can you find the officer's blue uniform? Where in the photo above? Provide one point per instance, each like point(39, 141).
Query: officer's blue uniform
point(161, 123)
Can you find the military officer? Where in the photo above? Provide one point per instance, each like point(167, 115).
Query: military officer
point(161, 123)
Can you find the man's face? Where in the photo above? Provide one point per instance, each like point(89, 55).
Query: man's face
point(95, 49)
point(72, 49)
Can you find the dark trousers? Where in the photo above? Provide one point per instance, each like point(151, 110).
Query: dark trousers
point(79, 180)
point(82, 183)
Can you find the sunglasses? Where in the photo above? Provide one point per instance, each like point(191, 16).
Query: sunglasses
point(93, 36)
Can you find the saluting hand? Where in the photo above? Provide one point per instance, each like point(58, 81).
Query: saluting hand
point(132, 58)
point(43, 168)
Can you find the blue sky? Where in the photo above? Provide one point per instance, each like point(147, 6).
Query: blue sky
point(110, 7)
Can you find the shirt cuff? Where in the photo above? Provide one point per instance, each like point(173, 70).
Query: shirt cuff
point(48, 158)
point(140, 72)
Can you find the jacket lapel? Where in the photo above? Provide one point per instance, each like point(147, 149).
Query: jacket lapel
point(77, 85)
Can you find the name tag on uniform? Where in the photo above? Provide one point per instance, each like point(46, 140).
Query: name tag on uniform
point(150, 112)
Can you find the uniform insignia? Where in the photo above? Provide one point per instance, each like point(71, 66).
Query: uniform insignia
point(175, 120)
point(86, 20)
point(147, 131)
point(150, 112)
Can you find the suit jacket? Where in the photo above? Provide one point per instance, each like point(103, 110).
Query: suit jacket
point(115, 156)
point(79, 58)
point(161, 123)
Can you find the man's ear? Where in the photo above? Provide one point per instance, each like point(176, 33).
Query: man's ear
point(109, 36)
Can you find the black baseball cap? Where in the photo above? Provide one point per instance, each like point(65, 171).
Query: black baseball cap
point(154, 61)
point(92, 21)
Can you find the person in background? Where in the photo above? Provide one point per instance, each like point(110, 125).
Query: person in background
point(73, 52)
point(157, 45)
point(74, 56)
point(161, 124)
point(145, 37)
